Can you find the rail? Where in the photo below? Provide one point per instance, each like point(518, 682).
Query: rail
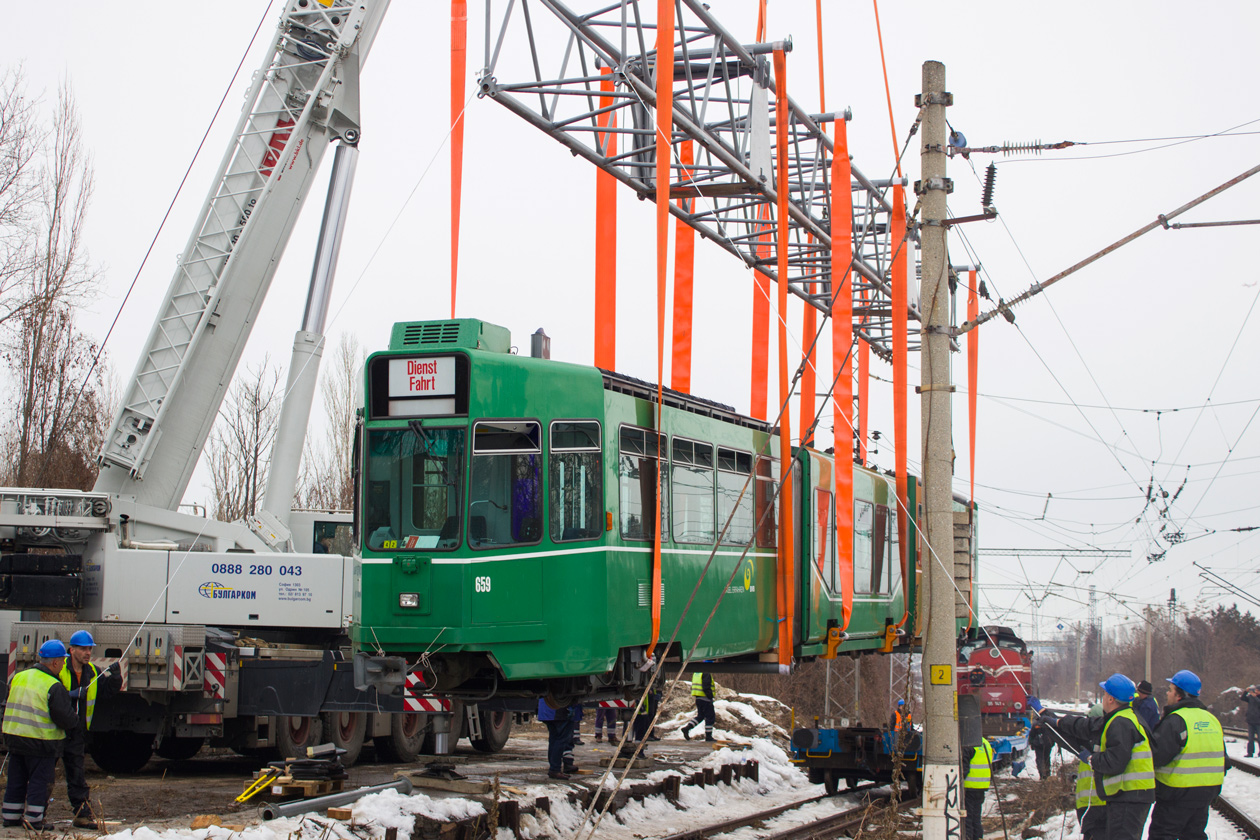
point(1245, 766)
point(824, 827)
point(1241, 821)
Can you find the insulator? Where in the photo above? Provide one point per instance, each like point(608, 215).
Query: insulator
point(990, 177)
point(1022, 148)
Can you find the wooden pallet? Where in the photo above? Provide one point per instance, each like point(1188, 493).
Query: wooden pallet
point(287, 786)
point(305, 788)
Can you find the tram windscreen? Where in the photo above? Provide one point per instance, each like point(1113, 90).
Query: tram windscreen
point(415, 488)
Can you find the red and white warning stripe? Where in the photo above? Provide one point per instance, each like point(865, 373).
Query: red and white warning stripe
point(614, 704)
point(177, 668)
point(12, 660)
point(414, 703)
point(216, 669)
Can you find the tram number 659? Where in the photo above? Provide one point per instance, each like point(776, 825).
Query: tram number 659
point(481, 583)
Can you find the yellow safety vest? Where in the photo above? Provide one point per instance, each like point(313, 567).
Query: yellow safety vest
point(88, 681)
point(980, 774)
point(1201, 762)
point(1139, 774)
point(1086, 795)
point(26, 711)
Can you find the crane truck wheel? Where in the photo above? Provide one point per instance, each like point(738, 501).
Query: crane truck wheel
point(406, 734)
point(121, 752)
point(294, 734)
point(496, 728)
point(345, 730)
point(178, 749)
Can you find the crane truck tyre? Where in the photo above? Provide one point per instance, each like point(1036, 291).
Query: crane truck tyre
point(294, 734)
point(178, 749)
point(496, 728)
point(406, 735)
point(121, 752)
point(346, 731)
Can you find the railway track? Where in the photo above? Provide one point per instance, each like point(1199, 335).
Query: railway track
point(833, 826)
point(1243, 822)
point(1245, 766)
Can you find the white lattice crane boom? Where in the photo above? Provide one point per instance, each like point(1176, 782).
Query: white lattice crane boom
point(304, 96)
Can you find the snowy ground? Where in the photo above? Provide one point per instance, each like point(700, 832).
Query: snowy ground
point(780, 784)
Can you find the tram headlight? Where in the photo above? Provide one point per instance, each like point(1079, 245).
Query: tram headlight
point(408, 600)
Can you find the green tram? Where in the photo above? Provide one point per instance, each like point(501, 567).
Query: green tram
point(507, 514)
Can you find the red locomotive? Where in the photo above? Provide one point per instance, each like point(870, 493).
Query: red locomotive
point(996, 666)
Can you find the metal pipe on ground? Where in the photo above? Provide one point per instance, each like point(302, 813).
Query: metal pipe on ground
point(332, 800)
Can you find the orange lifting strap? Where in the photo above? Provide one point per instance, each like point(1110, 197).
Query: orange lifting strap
point(606, 236)
point(842, 358)
point(900, 306)
point(459, 62)
point(684, 271)
point(787, 569)
point(664, 132)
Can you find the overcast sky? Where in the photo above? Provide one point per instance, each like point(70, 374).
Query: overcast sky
point(1138, 371)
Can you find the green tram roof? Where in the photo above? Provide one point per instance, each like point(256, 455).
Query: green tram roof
point(621, 384)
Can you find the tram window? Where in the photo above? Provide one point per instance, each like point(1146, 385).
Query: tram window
point(825, 539)
point(691, 478)
point(505, 483)
point(576, 489)
point(892, 559)
point(863, 529)
point(415, 484)
point(638, 457)
point(734, 468)
point(766, 504)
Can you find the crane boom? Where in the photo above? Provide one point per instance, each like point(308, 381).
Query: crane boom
point(305, 95)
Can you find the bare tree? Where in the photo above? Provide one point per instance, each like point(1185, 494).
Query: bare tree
point(21, 139)
point(239, 450)
point(326, 482)
point(60, 405)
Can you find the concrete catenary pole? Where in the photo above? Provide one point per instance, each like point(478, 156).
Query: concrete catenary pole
point(942, 785)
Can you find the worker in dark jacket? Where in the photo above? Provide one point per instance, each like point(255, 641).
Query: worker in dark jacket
point(86, 684)
point(702, 691)
point(1041, 741)
point(1122, 765)
point(1253, 718)
point(560, 763)
point(1145, 706)
point(1189, 749)
point(36, 716)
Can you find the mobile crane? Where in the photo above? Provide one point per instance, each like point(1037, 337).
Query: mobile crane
point(229, 632)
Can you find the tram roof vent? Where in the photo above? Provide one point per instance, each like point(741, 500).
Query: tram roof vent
point(469, 333)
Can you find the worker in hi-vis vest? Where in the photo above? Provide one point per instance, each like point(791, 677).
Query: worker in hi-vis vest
point(977, 776)
point(86, 683)
point(36, 716)
point(1120, 769)
point(1189, 748)
point(703, 692)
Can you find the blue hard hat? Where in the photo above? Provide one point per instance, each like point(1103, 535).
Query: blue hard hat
point(52, 649)
point(1188, 682)
point(82, 638)
point(901, 702)
point(1120, 687)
